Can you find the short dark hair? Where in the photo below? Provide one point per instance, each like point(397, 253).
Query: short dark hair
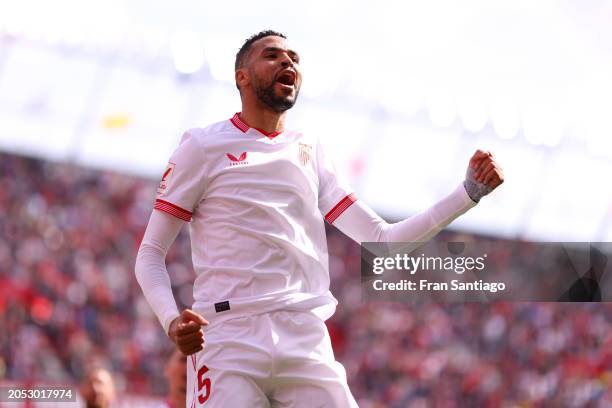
point(243, 52)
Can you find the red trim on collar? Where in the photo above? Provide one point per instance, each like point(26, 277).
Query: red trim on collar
point(242, 126)
point(239, 123)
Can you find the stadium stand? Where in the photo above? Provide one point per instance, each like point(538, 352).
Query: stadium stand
point(68, 239)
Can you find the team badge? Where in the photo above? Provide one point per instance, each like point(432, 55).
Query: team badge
point(163, 184)
point(304, 153)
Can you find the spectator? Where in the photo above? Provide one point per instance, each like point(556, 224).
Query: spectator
point(176, 373)
point(98, 388)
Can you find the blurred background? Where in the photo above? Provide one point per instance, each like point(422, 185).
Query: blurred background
point(94, 96)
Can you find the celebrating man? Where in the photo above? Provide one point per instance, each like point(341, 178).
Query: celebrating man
point(256, 196)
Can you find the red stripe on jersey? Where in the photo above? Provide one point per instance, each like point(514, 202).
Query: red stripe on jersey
point(335, 212)
point(172, 209)
point(242, 126)
point(195, 373)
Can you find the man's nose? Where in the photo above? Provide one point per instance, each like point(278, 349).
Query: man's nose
point(286, 62)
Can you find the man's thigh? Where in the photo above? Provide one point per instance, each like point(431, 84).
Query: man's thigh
point(312, 394)
point(221, 389)
point(229, 372)
point(307, 373)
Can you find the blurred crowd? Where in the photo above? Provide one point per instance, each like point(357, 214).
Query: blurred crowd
point(69, 300)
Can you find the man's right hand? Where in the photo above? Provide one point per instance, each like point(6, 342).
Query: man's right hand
point(186, 332)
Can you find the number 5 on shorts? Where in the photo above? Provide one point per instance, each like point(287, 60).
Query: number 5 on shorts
point(203, 383)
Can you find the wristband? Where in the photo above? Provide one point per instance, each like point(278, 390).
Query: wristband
point(473, 188)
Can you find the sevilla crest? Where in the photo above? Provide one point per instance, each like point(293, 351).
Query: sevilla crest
point(304, 153)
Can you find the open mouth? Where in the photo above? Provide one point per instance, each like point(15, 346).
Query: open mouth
point(287, 78)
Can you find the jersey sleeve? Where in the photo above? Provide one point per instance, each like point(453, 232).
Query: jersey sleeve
point(182, 183)
point(335, 196)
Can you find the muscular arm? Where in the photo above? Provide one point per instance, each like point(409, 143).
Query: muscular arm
point(150, 266)
point(362, 224)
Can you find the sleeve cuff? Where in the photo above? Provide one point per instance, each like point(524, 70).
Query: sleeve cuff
point(173, 209)
point(339, 208)
point(169, 320)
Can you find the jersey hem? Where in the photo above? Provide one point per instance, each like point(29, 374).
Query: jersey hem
point(322, 306)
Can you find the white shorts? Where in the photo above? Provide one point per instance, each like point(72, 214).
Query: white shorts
point(275, 359)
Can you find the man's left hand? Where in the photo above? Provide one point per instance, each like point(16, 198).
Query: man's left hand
point(486, 170)
point(483, 175)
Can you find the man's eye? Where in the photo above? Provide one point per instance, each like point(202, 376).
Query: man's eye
point(271, 56)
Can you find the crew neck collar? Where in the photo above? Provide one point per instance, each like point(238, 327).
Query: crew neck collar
point(243, 127)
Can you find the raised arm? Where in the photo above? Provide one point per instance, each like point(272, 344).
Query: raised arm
point(362, 224)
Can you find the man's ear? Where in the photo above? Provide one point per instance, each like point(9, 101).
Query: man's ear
point(242, 77)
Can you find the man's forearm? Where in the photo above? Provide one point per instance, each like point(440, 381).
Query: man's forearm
point(153, 278)
point(150, 266)
point(425, 225)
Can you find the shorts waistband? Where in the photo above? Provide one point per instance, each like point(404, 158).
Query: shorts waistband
point(220, 311)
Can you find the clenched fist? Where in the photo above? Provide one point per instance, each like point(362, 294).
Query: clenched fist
point(483, 175)
point(186, 332)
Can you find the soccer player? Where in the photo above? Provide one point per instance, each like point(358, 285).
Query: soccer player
point(256, 196)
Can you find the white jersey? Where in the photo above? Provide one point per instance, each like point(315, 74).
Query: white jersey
point(257, 204)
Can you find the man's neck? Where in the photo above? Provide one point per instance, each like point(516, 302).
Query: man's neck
point(263, 118)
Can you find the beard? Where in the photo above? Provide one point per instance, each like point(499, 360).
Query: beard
point(266, 94)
